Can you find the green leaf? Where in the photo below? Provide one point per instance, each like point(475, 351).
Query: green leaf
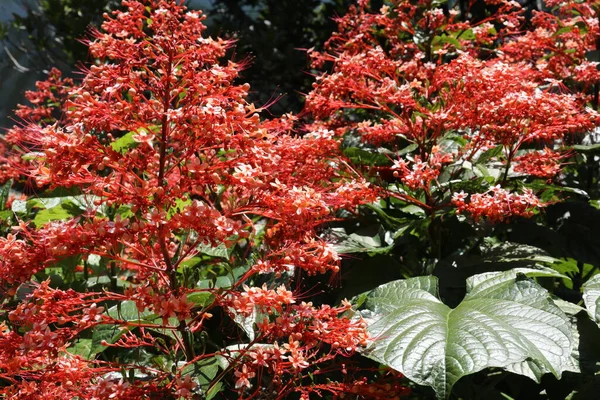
point(490, 153)
point(220, 251)
point(124, 143)
point(549, 189)
point(512, 252)
point(172, 321)
point(364, 157)
point(505, 321)
point(466, 34)
point(355, 243)
point(408, 149)
point(246, 323)
point(567, 307)
point(220, 276)
point(204, 371)
point(591, 298)
point(4, 193)
point(444, 39)
point(413, 210)
point(179, 206)
point(201, 299)
point(104, 333)
point(586, 148)
point(124, 211)
point(62, 212)
point(128, 311)
point(451, 142)
point(562, 30)
point(214, 390)
point(49, 209)
point(82, 348)
point(6, 215)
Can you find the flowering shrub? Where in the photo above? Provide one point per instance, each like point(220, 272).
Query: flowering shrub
point(162, 240)
point(423, 87)
point(163, 209)
point(469, 117)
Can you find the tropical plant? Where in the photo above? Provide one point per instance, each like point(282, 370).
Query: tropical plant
point(155, 229)
point(159, 239)
point(477, 127)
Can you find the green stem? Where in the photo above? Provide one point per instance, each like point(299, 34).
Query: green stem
point(508, 162)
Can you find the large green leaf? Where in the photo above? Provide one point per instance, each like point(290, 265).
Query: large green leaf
point(101, 334)
point(505, 321)
point(124, 143)
point(355, 243)
point(62, 212)
point(365, 157)
point(53, 208)
point(82, 348)
point(591, 297)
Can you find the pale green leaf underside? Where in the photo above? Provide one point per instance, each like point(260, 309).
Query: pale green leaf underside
point(591, 297)
point(504, 321)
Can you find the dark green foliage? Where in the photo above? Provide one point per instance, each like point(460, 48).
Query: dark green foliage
point(275, 35)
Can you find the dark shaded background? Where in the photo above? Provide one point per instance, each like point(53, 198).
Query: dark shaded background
point(36, 35)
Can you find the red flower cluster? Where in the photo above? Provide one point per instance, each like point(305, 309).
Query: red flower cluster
point(497, 205)
point(431, 88)
point(543, 164)
point(298, 335)
point(170, 166)
point(560, 42)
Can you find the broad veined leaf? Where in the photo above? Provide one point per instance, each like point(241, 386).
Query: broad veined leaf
point(505, 321)
point(124, 143)
point(64, 211)
point(203, 371)
point(221, 250)
point(591, 297)
point(201, 299)
point(586, 147)
point(49, 209)
point(490, 153)
point(365, 157)
point(493, 257)
point(101, 334)
point(128, 311)
point(220, 276)
point(82, 347)
point(514, 252)
point(246, 323)
point(355, 243)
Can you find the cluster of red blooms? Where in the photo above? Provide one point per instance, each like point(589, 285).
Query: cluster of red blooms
point(296, 334)
point(497, 204)
point(543, 164)
point(438, 90)
point(568, 34)
point(170, 160)
point(421, 174)
point(36, 358)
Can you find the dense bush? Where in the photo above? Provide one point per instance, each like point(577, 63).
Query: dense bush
point(470, 124)
point(162, 240)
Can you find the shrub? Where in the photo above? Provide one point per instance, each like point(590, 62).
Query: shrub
point(468, 119)
point(167, 224)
